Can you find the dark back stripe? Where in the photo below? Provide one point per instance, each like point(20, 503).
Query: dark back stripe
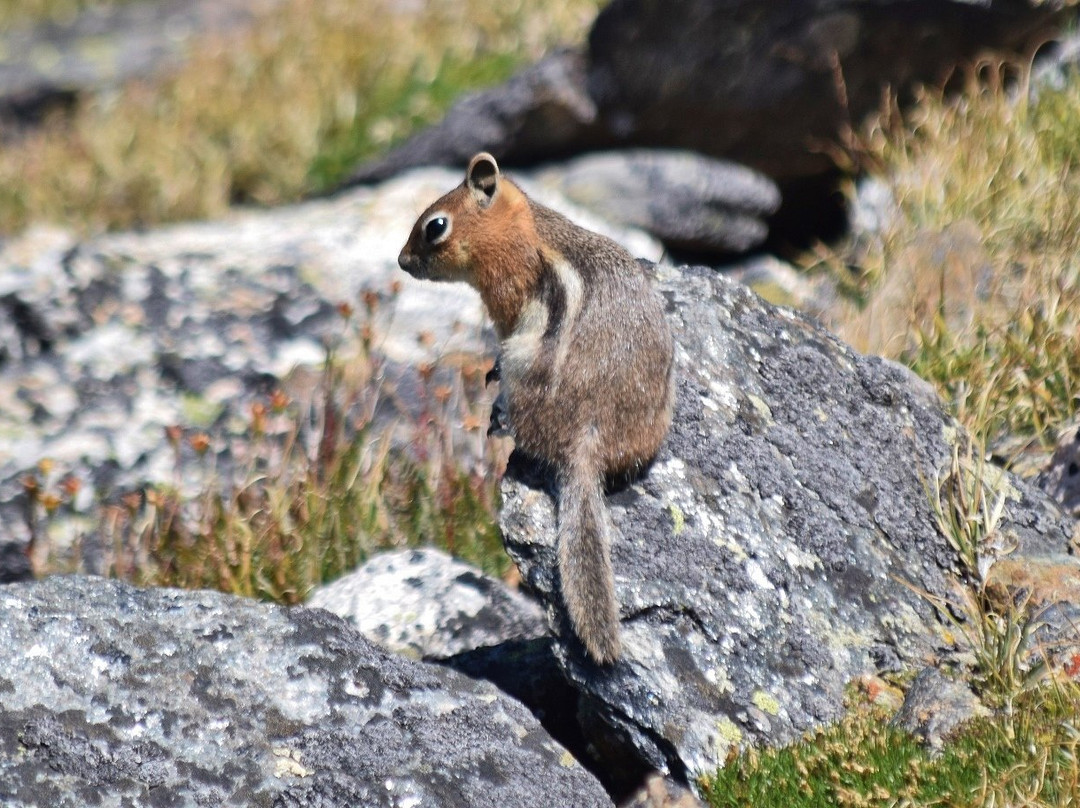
point(553, 296)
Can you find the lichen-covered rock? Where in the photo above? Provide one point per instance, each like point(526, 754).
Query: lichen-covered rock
point(425, 604)
point(780, 545)
point(114, 696)
point(1061, 477)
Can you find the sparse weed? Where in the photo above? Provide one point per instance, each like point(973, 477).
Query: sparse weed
point(308, 488)
point(968, 503)
point(999, 624)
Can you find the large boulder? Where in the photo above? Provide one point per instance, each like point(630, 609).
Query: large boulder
point(118, 696)
point(774, 85)
point(783, 544)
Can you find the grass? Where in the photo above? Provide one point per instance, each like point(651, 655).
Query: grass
point(974, 281)
point(1029, 758)
point(318, 489)
point(272, 113)
point(1000, 622)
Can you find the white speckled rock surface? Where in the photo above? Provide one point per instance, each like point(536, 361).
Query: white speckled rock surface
point(114, 696)
point(424, 603)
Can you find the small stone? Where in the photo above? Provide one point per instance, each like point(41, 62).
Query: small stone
point(936, 705)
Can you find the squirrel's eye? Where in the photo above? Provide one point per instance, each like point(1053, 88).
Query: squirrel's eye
point(436, 229)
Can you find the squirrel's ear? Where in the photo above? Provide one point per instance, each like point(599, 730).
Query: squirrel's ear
point(482, 177)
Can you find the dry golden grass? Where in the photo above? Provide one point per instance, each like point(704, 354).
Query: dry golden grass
point(272, 113)
point(975, 281)
point(22, 12)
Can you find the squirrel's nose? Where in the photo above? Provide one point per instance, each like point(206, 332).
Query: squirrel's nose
point(410, 263)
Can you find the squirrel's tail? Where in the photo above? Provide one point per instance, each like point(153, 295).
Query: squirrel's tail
point(588, 584)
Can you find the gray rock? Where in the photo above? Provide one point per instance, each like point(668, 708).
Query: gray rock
point(542, 112)
point(528, 671)
point(687, 201)
point(777, 548)
point(14, 565)
point(425, 604)
point(116, 696)
point(936, 705)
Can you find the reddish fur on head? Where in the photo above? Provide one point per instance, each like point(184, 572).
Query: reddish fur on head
point(483, 233)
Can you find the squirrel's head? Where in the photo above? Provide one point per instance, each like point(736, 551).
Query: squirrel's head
point(475, 225)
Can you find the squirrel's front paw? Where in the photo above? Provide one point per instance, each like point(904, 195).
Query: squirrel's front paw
point(499, 426)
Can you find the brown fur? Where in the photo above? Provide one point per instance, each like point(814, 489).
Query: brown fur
point(586, 356)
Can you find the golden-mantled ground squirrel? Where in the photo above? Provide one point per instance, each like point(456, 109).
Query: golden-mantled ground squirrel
point(585, 360)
